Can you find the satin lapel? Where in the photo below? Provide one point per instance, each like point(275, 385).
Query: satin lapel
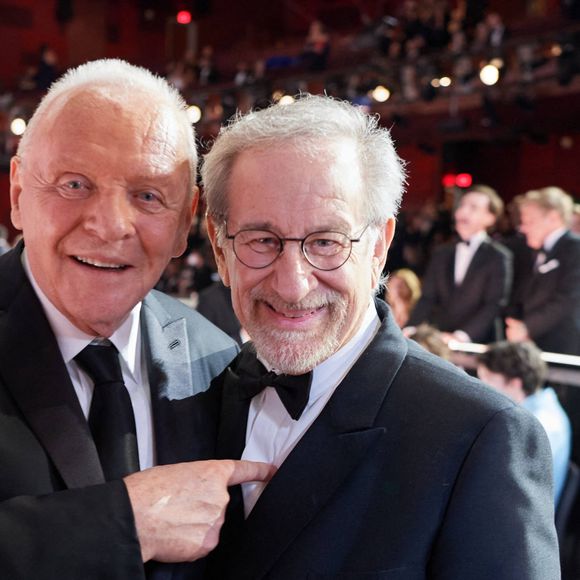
point(32, 369)
point(233, 419)
point(339, 439)
point(450, 268)
point(170, 378)
point(231, 441)
point(477, 260)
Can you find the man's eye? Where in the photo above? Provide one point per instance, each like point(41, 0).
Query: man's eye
point(73, 188)
point(148, 196)
point(263, 244)
point(74, 184)
point(323, 243)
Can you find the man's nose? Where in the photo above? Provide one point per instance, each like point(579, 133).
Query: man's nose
point(293, 277)
point(110, 214)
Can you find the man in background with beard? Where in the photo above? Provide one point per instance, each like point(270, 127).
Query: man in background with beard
point(392, 463)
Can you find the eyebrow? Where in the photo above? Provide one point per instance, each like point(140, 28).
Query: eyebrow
point(341, 227)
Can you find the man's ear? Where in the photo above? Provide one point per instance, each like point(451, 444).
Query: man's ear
point(218, 251)
point(516, 383)
point(381, 248)
point(15, 191)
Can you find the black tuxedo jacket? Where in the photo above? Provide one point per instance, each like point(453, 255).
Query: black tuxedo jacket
point(475, 306)
point(551, 299)
point(86, 530)
point(413, 470)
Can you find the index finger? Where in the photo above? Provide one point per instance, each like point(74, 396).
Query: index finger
point(250, 471)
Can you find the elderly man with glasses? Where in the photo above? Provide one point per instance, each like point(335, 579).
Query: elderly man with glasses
point(391, 462)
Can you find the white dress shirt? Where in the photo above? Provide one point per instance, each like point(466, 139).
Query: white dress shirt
point(464, 254)
point(127, 340)
point(271, 433)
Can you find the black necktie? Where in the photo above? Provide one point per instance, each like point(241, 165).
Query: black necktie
point(111, 418)
point(293, 390)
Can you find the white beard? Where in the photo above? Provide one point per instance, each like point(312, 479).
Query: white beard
point(297, 352)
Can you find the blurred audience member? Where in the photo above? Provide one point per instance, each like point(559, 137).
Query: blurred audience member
point(402, 292)
point(206, 70)
point(467, 283)
point(4, 244)
point(497, 32)
point(575, 223)
point(430, 339)
point(215, 303)
point(549, 311)
point(316, 47)
point(46, 69)
point(518, 371)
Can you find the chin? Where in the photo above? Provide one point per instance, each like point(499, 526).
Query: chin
point(292, 352)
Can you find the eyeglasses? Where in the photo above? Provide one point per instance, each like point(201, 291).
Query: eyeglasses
point(324, 250)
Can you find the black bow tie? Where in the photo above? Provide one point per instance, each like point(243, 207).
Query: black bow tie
point(293, 390)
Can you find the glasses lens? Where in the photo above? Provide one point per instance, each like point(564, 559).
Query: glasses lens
point(256, 248)
point(327, 250)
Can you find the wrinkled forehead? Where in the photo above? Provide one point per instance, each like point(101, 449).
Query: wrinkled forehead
point(99, 110)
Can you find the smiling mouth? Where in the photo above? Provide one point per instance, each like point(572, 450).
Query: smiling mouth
point(100, 265)
point(296, 314)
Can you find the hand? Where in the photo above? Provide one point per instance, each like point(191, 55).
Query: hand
point(516, 330)
point(179, 509)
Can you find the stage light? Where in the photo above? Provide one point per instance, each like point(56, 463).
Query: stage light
point(286, 100)
point(448, 180)
point(445, 81)
point(183, 17)
point(435, 83)
point(193, 114)
point(18, 126)
point(463, 180)
point(489, 75)
point(381, 94)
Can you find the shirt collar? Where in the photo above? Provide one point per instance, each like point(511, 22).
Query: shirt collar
point(552, 238)
point(71, 340)
point(476, 240)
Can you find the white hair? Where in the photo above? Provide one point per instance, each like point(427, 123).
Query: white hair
point(116, 78)
point(310, 123)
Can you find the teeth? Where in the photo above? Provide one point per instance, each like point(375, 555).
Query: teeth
point(299, 315)
point(98, 264)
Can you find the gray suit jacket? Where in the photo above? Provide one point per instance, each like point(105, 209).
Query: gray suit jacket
point(86, 530)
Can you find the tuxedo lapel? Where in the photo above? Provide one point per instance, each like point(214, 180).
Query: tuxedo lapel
point(233, 418)
point(32, 369)
point(449, 272)
point(338, 440)
point(477, 261)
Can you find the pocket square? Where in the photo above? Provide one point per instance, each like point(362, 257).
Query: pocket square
point(548, 266)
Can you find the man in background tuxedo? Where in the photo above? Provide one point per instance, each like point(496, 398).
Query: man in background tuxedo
point(467, 283)
point(103, 189)
point(392, 463)
point(549, 308)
